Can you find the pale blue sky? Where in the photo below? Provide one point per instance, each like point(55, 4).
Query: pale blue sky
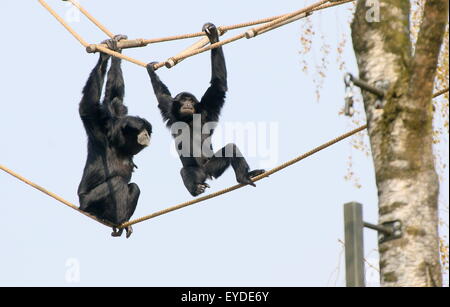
point(284, 232)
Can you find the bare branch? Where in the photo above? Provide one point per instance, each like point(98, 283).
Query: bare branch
point(425, 60)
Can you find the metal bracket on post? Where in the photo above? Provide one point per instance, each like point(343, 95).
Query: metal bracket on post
point(379, 90)
point(365, 86)
point(382, 85)
point(387, 231)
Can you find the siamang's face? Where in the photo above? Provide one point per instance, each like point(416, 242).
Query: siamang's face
point(185, 105)
point(134, 135)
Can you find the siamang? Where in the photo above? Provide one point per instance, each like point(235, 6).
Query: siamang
point(113, 139)
point(199, 160)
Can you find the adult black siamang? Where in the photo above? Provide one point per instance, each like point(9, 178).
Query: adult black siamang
point(113, 139)
point(199, 161)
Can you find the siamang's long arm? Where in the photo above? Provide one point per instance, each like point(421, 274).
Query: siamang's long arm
point(115, 85)
point(89, 109)
point(162, 93)
point(214, 98)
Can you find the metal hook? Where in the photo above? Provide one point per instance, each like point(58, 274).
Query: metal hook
point(348, 79)
point(348, 108)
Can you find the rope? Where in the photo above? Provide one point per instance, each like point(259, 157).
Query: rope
point(441, 92)
point(91, 18)
point(255, 179)
point(194, 201)
point(121, 56)
point(314, 7)
point(271, 24)
point(288, 16)
point(203, 198)
point(179, 58)
point(242, 25)
point(145, 42)
point(65, 25)
point(58, 198)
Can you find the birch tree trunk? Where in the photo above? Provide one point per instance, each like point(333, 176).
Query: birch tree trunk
point(401, 132)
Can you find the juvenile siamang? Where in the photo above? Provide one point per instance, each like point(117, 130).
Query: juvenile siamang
point(113, 139)
point(199, 161)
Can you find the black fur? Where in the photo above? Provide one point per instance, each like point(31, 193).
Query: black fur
point(196, 170)
point(104, 190)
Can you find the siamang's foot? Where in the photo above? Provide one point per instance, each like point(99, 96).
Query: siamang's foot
point(211, 31)
point(245, 180)
point(256, 172)
point(129, 230)
point(201, 188)
point(117, 233)
point(248, 178)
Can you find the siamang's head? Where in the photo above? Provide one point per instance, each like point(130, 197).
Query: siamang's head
point(130, 134)
point(184, 106)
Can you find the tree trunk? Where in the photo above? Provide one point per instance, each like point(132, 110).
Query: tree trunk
point(401, 133)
